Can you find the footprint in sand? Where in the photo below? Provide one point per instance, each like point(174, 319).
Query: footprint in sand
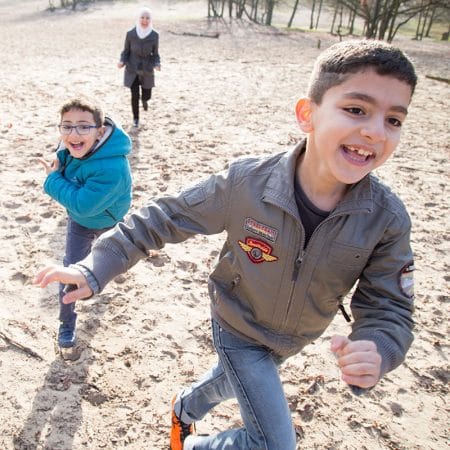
point(11, 205)
point(23, 219)
point(19, 276)
point(70, 354)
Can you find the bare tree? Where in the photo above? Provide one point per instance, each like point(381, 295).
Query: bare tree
point(382, 18)
point(294, 11)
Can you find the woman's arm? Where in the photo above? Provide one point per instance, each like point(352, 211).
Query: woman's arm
point(156, 57)
point(125, 55)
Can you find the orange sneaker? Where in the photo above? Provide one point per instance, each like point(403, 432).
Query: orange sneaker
point(180, 430)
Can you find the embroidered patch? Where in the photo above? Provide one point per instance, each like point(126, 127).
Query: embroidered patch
point(260, 229)
point(406, 280)
point(257, 251)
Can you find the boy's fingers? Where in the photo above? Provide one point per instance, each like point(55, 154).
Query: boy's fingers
point(338, 343)
point(50, 276)
point(363, 381)
point(360, 346)
point(77, 294)
point(369, 357)
point(76, 284)
point(363, 367)
point(341, 345)
point(64, 275)
point(38, 279)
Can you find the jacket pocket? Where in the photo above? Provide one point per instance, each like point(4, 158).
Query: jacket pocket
point(347, 257)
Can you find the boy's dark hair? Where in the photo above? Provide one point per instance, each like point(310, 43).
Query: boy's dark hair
point(335, 64)
point(84, 104)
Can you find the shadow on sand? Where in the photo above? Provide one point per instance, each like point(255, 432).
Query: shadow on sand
point(56, 413)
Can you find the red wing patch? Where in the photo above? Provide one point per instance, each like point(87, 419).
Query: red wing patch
point(257, 251)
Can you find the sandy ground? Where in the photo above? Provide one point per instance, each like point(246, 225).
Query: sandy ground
point(148, 334)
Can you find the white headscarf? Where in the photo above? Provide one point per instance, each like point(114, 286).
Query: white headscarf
point(144, 32)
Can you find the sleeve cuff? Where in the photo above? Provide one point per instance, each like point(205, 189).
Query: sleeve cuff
point(91, 280)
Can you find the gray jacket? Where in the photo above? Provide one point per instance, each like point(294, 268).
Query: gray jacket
point(140, 56)
point(265, 287)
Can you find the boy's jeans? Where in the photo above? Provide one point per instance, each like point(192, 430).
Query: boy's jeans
point(250, 373)
point(79, 241)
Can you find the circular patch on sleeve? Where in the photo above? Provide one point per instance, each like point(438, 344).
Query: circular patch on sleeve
point(406, 280)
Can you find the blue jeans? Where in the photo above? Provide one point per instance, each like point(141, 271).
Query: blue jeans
point(79, 241)
point(248, 372)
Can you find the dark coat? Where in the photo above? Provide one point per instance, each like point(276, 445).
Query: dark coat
point(140, 56)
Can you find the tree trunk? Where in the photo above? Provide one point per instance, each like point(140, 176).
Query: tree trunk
point(311, 20)
point(318, 14)
point(294, 10)
point(419, 23)
point(334, 18)
point(270, 7)
point(430, 23)
point(393, 19)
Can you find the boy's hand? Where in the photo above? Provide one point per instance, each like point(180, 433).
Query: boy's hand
point(49, 168)
point(359, 361)
point(65, 275)
point(120, 64)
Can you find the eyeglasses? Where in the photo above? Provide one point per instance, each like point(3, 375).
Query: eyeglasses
point(80, 129)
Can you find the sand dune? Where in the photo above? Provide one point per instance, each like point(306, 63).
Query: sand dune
point(148, 334)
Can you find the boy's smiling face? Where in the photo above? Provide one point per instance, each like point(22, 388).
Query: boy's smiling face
point(355, 128)
point(79, 145)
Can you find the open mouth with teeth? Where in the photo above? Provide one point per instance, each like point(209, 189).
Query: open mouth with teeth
point(77, 146)
point(357, 155)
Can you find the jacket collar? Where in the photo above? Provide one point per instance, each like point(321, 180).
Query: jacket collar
point(279, 188)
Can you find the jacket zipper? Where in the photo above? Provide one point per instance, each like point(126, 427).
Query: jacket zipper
point(67, 162)
point(110, 215)
point(298, 263)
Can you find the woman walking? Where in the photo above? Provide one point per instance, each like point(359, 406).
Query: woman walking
point(141, 58)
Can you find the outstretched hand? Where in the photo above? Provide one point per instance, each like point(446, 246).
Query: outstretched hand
point(65, 275)
point(49, 168)
point(359, 361)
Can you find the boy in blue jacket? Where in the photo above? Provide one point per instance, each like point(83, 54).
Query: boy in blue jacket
point(91, 178)
point(304, 228)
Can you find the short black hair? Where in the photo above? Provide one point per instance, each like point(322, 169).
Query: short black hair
point(336, 63)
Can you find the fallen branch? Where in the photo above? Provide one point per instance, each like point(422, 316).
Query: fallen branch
point(21, 347)
point(444, 80)
point(207, 35)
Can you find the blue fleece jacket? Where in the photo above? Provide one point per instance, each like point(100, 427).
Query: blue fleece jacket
point(96, 189)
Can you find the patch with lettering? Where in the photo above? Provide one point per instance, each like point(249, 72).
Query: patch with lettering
point(406, 280)
point(260, 229)
point(257, 250)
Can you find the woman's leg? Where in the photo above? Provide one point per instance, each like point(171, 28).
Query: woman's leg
point(146, 96)
point(252, 371)
point(135, 98)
